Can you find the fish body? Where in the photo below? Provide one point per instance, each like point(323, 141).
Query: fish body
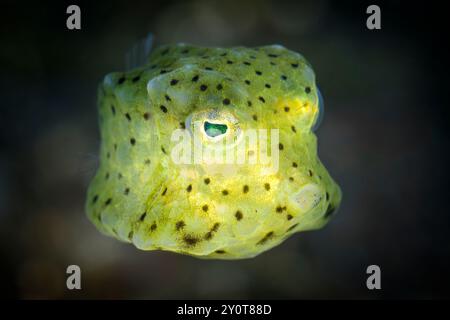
point(214, 99)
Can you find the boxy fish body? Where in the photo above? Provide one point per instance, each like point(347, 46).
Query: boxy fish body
point(154, 189)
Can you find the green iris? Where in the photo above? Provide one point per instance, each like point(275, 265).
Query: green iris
point(215, 129)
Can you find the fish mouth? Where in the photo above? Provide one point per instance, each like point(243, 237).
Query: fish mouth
point(331, 209)
point(334, 204)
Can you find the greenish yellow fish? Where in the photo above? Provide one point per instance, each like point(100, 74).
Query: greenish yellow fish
point(154, 190)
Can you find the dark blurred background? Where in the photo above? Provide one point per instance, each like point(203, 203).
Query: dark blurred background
point(384, 139)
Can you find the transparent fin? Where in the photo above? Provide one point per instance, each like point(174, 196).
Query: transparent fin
point(321, 111)
point(137, 55)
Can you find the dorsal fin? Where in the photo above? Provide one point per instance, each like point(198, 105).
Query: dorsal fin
point(137, 55)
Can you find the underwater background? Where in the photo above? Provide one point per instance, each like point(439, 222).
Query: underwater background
point(384, 139)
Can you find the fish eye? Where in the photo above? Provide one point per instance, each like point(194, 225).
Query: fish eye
point(321, 111)
point(214, 129)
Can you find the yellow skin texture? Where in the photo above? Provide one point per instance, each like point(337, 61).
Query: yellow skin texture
point(140, 195)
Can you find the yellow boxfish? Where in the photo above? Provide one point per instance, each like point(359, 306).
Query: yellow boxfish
point(211, 152)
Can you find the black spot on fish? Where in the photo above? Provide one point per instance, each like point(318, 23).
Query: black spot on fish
point(258, 72)
point(267, 237)
point(146, 116)
point(226, 101)
point(127, 115)
point(167, 98)
point(164, 192)
point(289, 217)
point(133, 141)
point(247, 82)
point(207, 180)
point(247, 63)
point(245, 189)
point(286, 109)
point(283, 77)
point(249, 103)
point(219, 87)
point(189, 188)
point(280, 146)
point(190, 240)
point(215, 227)
point(262, 99)
point(108, 201)
point(307, 89)
point(209, 235)
point(195, 78)
point(113, 110)
point(95, 198)
point(294, 164)
point(294, 65)
point(292, 227)
point(173, 82)
point(310, 173)
point(163, 109)
point(229, 62)
point(205, 208)
point(203, 87)
point(267, 186)
point(268, 86)
point(126, 191)
point(293, 129)
point(136, 79)
point(180, 225)
point(220, 251)
point(121, 80)
point(238, 215)
point(255, 117)
point(225, 192)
